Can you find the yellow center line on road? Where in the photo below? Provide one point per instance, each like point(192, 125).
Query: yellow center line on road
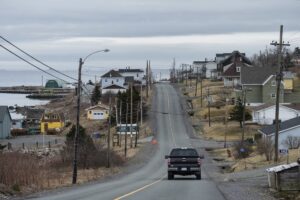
point(139, 189)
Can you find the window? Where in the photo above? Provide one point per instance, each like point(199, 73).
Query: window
point(229, 79)
point(105, 80)
point(117, 80)
point(273, 95)
point(238, 69)
point(90, 112)
point(137, 75)
point(273, 83)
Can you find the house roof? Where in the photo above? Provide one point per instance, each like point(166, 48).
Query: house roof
point(34, 113)
point(281, 168)
point(234, 55)
point(3, 111)
point(114, 86)
point(262, 107)
point(270, 129)
point(295, 106)
point(130, 70)
point(256, 75)
point(111, 73)
point(99, 106)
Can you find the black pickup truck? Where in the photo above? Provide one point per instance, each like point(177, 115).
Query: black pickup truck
point(184, 161)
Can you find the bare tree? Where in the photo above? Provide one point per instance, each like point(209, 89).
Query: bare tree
point(266, 147)
point(293, 142)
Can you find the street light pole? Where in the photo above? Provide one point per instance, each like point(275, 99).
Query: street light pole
point(81, 62)
point(74, 180)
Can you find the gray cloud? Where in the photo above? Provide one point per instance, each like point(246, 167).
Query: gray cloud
point(41, 26)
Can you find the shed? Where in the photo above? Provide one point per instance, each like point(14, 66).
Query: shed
point(284, 177)
point(5, 122)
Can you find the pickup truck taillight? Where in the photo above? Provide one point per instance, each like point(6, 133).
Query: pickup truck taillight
point(169, 161)
point(199, 161)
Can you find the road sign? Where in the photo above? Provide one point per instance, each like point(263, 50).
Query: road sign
point(283, 151)
point(121, 129)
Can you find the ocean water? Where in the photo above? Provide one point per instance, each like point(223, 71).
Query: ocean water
point(38, 78)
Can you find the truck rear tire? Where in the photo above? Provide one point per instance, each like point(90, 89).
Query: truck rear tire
point(170, 176)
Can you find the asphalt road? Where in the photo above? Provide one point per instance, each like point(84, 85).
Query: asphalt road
point(150, 182)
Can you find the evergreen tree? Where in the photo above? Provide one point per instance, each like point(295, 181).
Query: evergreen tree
point(96, 95)
point(236, 113)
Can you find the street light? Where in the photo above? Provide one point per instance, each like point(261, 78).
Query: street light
point(81, 62)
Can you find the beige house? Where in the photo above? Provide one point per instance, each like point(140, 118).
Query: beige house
point(97, 112)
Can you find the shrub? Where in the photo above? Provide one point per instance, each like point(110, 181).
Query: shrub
point(266, 147)
point(242, 150)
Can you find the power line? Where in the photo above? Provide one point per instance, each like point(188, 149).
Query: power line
point(36, 59)
point(31, 63)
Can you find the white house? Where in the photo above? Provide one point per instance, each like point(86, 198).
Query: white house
point(112, 81)
point(137, 74)
point(207, 67)
point(112, 78)
point(97, 112)
point(265, 114)
point(287, 128)
point(17, 120)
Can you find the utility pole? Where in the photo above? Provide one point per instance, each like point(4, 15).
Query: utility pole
point(147, 80)
point(141, 93)
point(108, 133)
point(186, 75)
point(120, 136)
point(208, 105)
point(244, 115)
point(190, 75)
point(126, 129)
point(201, 87)
point(278, 79)
point(131, 114)
point(136, 131)
point(197, 77)
point(182, 73)
point(226, 123)
point(74, 178)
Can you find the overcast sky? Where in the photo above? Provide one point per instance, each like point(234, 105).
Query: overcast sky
point(60, 32)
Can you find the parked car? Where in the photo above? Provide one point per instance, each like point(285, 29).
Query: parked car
point(184, 161)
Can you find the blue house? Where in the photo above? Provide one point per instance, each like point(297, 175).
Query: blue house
point(5, 122)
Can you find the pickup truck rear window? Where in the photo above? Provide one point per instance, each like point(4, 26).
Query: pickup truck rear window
point(184, 152)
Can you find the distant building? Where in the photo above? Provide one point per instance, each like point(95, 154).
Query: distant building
point(55, 83)
point(288, 81)
point(32, 120)
point(17, 120)
point(207, 69)
point(5, 122)
point(97, 112)
point(231, 68)
point(112, 79)
point(52, 121)
point(137, 74)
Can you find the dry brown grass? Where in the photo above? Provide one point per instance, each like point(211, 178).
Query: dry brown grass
point(255, 160)
point(233, 131)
